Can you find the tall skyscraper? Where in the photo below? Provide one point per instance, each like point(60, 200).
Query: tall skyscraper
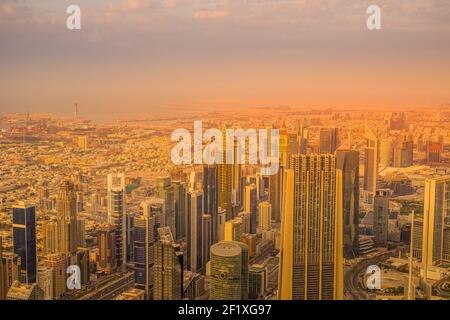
point(210, 195)
point(144, 252)
point(347, 199)
point(310, 264)
point(436, 223)
point(329, 140)
point(370, 166)
point(251, 205)
point(194, 231)
point(116, 214)
point(225, 181)
point(66, 206)
point(229, 271)
point(165, 191)
point(168, 273)
point(234, 229)
point(265, 216)
point(275, 195)
point(58, 264)
point(3, 282)
point(50, 237)
point(206, 237)
point(106, 241)
point(180, 209)
point(403, 153)
point(381, 218)
point(24, 233)
point(385, 152)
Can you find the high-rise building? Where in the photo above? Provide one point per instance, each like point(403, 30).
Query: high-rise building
point(251, 205)
point(347, 199)
point(58, 264)
point(129, 229)
point(165, 191)
point(370, 166)
point(3, 282)
point(434, 150)
point(66, 206)
point(265, 216)
point(234, 229)
point(381, 218)
point(24, 233)
point(385, 152)
point(221, 220)
point(116, 215)
point(83, 264)
point(168, 273)
point(50, 237)
point(436, 222)
point(11, 268)
point(257, 282)
point(81, 232)
point(45, 282)
point(180, 209)
point(275, 195)
point(329, 140)
point(210, 195)
point(22, 291)
point(403, 153)
point(311, 239)
point(229, 271)
point(106, 241)
point(194, 206)
point(225, 185)
point(144, 252)
point(206, 237)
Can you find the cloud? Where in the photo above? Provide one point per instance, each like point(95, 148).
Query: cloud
point(210, 14)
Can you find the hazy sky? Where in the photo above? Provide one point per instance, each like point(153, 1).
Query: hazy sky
point(148, 55)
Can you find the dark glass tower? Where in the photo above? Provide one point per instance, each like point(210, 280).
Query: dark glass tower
point(24, 233)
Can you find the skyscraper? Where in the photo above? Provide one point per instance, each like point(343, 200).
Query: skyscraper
point(229, 271)
point(50, 237)
point(57, 262)
point(329, 140)
point(206, 237)
point(143, 248)
point(168, 270)
point(116, 214)
point(106, 241)
point(210, 203)
point(66, 206)
point(436, 223)
point(265, 215)
point(310, 267)
point(381, 218)
point(370, 166)
point(251, 205)
point(179, 189)
point(3, 282)
point(347, 200)
point(165, 191)
point(194, 231)
point(403, 153)
point(24, 233)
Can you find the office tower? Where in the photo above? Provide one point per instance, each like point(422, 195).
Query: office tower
point(250, 240)
point(80, 201)
point(24, 233)
point(66, 206)
point(58, 264)
point(50, 237)
point(81, 232)
point(106, 241)
point(168, 274)
point(221, 220)
point(225, 185)
point(418, 238)
point(83, 264)
point(381, 218)
point(21, 291)
point(210, 188)
point(434, 150)
point(45, 282)
point(347, 199)
point(385, 152)
point(275, 195)
point(257, 282)
point(229, 271)
point(180, 209)
point(206, 237)
point(329, 140)
point(251, 205)
point(284, 146)
point(95, 199)
point(129, 228)
point(165, 191)
point(83, 142)
point(246, 221)
point(194, 206)
point(143, 253)
point(436, 222)
point(11, 268)
point(403, 153)
point(155, 207)
point(310, 267)
point(302, 138)
point(3, 283)
point(116, 215)
point(265, 216)
point(370, 166)
point(234, 229)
